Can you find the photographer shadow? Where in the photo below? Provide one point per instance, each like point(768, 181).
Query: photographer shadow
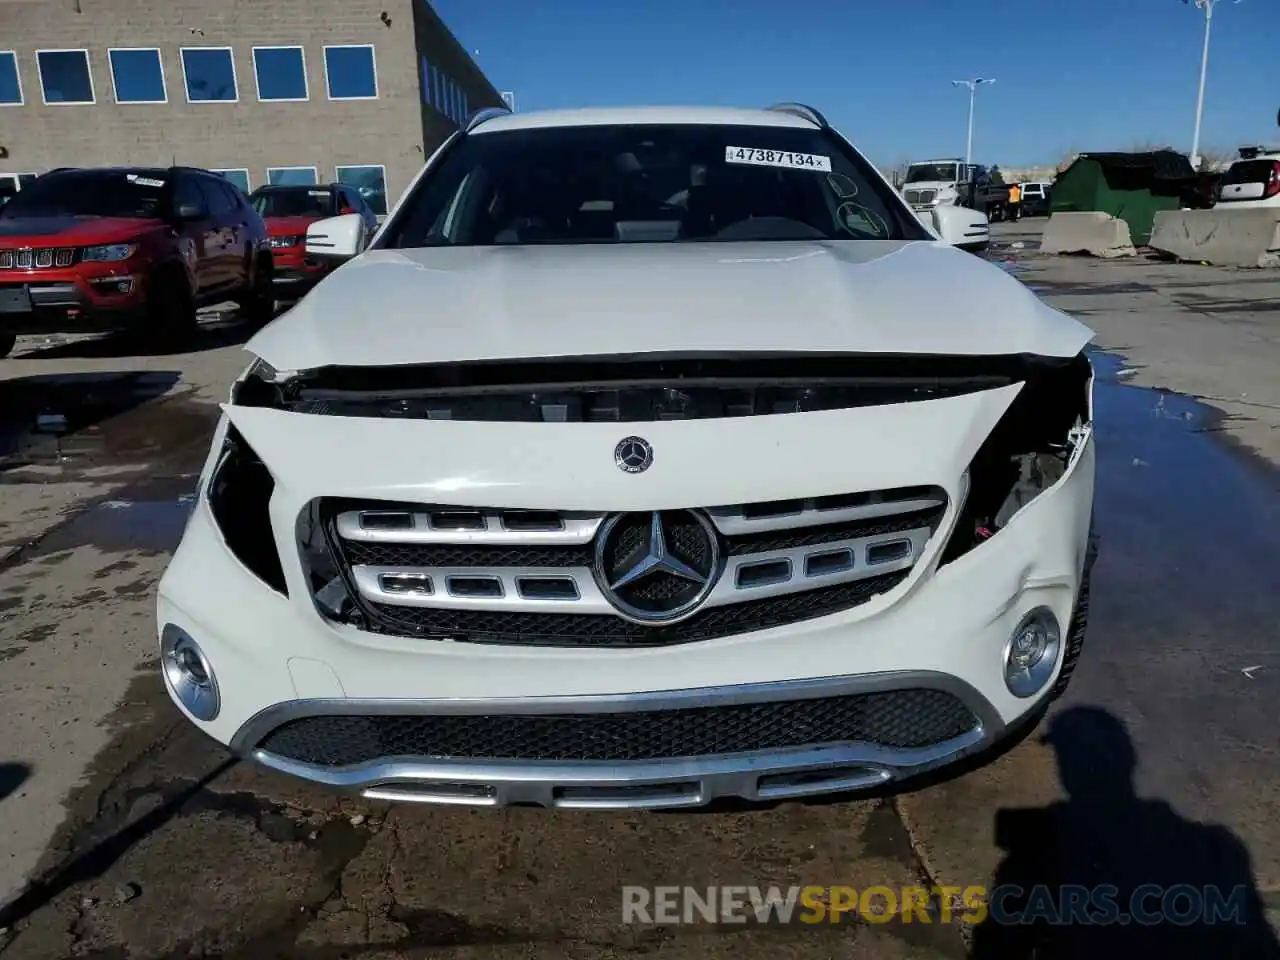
point(1108, 874)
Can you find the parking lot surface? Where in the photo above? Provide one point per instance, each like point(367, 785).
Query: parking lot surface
point(127, 834)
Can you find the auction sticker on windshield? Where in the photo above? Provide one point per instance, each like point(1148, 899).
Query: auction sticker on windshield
point(757, 157)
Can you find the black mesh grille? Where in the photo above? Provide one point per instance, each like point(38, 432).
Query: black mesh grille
point(899, 718)
point(606, 630)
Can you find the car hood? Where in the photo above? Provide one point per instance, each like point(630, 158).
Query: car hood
point(439, 305)
point(72, 231)
point(289, 226)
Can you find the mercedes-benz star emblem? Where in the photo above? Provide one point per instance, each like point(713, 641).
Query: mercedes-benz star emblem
point(633, 454)
point(657, 567)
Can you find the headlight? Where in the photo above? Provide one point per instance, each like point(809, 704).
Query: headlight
point(110, 253)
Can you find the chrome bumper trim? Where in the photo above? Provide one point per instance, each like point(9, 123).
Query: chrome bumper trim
point(675, 782)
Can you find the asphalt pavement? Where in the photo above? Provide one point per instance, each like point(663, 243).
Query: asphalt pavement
point(126, 833)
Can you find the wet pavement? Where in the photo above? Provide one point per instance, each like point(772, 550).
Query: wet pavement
point(1164, 765)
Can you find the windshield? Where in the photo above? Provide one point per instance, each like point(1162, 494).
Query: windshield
point(648, 184)
point(91, 193)
point(931, 172)
point(300, 202)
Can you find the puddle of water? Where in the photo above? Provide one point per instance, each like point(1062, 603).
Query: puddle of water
point(1175, 495)
point(95, 423)
point(150, 521)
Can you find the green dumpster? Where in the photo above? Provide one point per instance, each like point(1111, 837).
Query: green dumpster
point(1130, 186)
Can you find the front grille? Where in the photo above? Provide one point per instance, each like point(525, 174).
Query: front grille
point(921, 196)
point(39, 257)
point(608, 630)
point(902, 719)
point(548, 578)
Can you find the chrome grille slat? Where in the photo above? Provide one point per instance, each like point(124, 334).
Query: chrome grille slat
point(735, 521)
point(29, 258)
point(497, 527)
point(732, 586)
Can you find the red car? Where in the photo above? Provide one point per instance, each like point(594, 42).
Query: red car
point(128, 248)
point(288, 211)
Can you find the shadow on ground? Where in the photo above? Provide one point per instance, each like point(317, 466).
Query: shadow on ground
point(1109, 874)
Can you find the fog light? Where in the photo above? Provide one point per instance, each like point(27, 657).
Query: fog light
point(188, 674)
point(1032, 653)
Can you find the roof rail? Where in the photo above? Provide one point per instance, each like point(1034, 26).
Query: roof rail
point(802, 111)
point(483, 114)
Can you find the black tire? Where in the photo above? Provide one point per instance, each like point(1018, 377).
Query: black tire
point(1079, 621)
point(258, 306)
point(169, 317)
point(7, 340)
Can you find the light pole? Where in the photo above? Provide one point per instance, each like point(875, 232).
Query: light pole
point(973, 95)
point(1207, 6)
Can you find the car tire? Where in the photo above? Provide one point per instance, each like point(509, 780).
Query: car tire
point(169, 316)
point(258, 305)
point(7, 340)
point(1079, 621)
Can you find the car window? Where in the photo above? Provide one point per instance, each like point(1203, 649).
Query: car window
point(219, 202)
point(92, 193)
point(188, 193)
point(1249, 171)
point(295, 202)
point(650, 183)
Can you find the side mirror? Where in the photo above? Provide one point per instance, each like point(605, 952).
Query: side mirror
point(336, 238)
point(961, 227)
point(192, 211)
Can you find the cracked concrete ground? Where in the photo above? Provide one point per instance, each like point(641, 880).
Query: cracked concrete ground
point(127, 834)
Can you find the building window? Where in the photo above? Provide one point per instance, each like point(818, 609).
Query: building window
point(64, 76)
point(292, 176)
point(281, 73)
point(351, 73)
point(10, 82)
point(137, 75)
point(237, 175)
point(371, 181)
point(466, 107)
point(210, 75)
point(426, 81)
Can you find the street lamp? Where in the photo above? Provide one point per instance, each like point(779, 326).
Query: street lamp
point(973, 92)
point(1207, 6)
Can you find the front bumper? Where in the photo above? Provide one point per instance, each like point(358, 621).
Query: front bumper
point(945, 628)
point(87, 298)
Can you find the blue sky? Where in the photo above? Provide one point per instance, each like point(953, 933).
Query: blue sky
point(1085, 75)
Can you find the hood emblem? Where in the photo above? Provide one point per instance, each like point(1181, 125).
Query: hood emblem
point(633, 455)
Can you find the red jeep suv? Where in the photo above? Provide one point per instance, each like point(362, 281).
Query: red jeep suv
point(288, 211)
point(128, 248)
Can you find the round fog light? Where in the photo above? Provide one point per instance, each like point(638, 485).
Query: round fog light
point(188, 674)
point(1032, 653)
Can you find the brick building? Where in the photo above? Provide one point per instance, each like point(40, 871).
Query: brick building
point(265, 91)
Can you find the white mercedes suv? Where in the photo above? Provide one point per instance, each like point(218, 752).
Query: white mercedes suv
point(645, 457)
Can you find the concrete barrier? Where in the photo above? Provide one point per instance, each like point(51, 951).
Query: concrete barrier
point(1092, 232)
point(1229, 238)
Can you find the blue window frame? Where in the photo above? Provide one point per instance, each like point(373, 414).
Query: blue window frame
point(292, 176)
point(351, 72)
point(10, 81)
point(64, 76)
point(209, 74)
point(281, 73)
point(370, 180)
point(237, 175)
point(137, 75)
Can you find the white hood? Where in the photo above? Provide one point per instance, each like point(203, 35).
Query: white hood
point(392, 307)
